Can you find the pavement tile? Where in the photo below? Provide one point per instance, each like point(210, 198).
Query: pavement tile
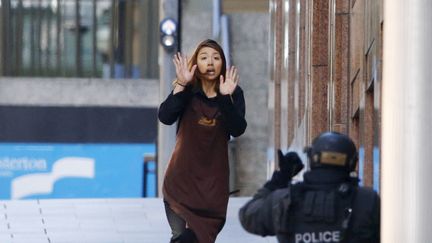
point(123, 220)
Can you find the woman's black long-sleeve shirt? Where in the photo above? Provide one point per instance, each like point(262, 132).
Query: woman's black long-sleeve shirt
point(232, 108)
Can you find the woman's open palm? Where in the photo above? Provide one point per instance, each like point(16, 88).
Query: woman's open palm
point(184, 75)
point(228, 84)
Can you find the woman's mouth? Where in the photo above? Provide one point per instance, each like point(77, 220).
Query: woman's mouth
point(209, 74)
point(210, 71)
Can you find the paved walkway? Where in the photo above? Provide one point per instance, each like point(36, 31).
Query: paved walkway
point(102, 221)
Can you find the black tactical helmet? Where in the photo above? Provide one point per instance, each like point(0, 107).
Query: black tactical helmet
point(332, 149)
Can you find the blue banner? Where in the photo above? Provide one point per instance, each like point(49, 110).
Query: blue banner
point(30, 171)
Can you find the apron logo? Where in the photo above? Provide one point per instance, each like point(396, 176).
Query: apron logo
point(207, 122)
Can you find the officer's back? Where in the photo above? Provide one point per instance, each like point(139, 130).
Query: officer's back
point(328, 206)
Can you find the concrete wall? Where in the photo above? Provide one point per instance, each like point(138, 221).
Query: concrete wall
point(249, 52)
point(196, 22)
point(79, 92)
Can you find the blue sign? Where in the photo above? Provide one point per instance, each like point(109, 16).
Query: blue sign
point(30, 171)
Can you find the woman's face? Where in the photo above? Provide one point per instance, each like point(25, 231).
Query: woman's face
point(209, 63)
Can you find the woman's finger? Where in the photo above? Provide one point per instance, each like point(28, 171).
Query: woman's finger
point(176, 65)
point(228, 73)
point(237, 78)
point(231, 72)
point(175, 59)
point(234, 74)
point(184, 61)
point(193, 69)
point(180, 59)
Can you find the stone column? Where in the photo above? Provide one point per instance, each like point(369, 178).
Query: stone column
point(319, 67)
point(407, 122)
point(4, 37)
point(166, 134)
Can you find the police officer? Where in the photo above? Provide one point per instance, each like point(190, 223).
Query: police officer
point(328, 206)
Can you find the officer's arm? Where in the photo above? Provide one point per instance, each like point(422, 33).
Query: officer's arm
point(256, 215)
point(260, 215)
point(263, 214)
point(376, 219)
point(366, 224)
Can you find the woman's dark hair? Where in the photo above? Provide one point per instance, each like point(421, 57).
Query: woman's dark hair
point(196, 82)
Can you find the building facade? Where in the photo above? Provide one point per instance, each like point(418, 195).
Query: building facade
point(326, 75)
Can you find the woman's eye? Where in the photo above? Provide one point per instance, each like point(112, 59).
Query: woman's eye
point(217, 58)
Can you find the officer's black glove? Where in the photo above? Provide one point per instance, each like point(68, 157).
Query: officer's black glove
point(289, 165)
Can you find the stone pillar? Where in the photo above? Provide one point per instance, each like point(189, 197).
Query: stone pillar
point(320, 67)
point(407, 122)
point(166, 134)
point(4, 37)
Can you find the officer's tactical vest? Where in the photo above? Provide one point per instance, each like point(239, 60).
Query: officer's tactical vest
point(319, 214)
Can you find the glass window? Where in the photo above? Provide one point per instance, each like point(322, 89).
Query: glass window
point(79, 38)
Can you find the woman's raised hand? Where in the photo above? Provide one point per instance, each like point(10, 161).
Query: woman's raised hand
point(228, 85)
point(184, 75)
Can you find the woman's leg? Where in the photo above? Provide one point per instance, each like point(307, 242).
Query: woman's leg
point(177, 224)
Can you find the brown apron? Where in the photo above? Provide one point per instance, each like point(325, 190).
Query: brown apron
point(196, 184)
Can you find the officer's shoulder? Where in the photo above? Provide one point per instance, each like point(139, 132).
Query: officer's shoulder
point(281, 193)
